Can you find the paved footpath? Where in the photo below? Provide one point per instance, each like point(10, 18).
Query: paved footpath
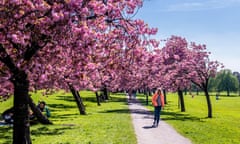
point(143, 119)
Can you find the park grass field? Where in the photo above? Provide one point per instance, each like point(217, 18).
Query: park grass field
point(109, 123)
point(223, 128)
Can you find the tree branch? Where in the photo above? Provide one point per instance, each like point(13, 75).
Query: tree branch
point(6, 59)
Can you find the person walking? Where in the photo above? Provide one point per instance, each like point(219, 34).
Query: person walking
point(158, 103)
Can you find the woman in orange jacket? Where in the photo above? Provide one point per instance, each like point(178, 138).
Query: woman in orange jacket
point(158, 103)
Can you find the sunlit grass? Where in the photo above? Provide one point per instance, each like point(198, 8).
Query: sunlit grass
point(109, 123)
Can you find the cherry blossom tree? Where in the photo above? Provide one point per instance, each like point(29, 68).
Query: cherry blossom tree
point(201, 68)
point(137, 74)
point(46, 43)
point(179, 64)
point(174, 58)
point(120, 57)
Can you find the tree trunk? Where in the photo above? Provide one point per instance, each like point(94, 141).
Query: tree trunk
point(82, 110)
point(208, 103)
point(149, 92)
point(41, 118)
point(21, 126)
point(146, 99)
point(239, 89)
point(197, 92)
point(78, 100)
point(146, 92)
point(228, 92)
point(98, 99)
point(165, 96)
point(105, 93)
point(185, 91)
point(181, 99)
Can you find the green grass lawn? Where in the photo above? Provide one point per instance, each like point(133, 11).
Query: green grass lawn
point(109, 123)
point(223, 128)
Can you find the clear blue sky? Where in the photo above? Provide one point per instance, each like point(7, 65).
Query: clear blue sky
point(215, 23)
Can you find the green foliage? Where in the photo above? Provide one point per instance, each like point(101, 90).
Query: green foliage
point(223, 128)
point(109, 123)
point(226, 81)
point(212, 85)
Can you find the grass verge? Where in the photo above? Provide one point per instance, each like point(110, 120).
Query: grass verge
point(109, 123)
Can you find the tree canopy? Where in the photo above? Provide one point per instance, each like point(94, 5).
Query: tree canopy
point(226, 81)
point(49, 44)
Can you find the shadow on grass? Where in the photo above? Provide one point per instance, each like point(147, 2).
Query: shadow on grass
point(119, 99)
point(6, 134)
point(92, 98)
point(180, 116)
point(127, 111)
point(119, 111)
point(231, 95)
point(62, 106)
point(111, 99)
point(46, 131)
point(69, 98)
point(63, 116)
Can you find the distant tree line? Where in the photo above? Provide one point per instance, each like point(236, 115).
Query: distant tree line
point(225, 81)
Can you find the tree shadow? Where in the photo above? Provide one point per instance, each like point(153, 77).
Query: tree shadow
point(92, 98)
point(128, 111)
point(227, 95)
point(141, 111)
point(119, 111)
point(69, 98)
point(46, 131)
point(6, 134)
point(180, 116)
point(62, 106)
point(119, 99)
point(111, 99)
point(63, 116)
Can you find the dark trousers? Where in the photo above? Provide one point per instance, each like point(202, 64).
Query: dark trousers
point(157, 111)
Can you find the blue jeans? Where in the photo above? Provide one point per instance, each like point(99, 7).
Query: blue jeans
point(157, 111)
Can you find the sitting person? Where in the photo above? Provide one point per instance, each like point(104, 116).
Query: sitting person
point(44, 109)
point(7, 116)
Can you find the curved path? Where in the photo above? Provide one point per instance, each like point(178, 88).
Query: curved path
point(142, 120)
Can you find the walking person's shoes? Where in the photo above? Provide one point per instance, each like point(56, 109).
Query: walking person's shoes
point(154, 124)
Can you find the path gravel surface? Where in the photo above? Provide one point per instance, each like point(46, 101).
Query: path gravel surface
point(143, 119)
